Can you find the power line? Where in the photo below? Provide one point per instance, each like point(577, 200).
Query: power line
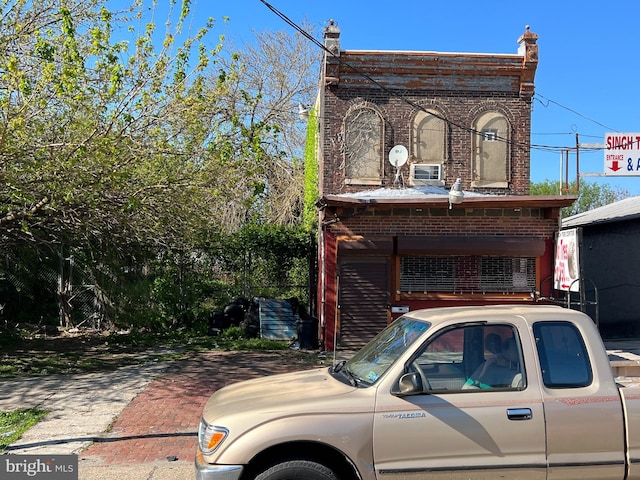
point(368, 77)
point(548, 148)
point(573, 111)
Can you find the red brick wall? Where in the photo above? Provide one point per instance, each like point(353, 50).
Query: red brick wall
point(459, 86)
point(460, 109)
point(439, 221)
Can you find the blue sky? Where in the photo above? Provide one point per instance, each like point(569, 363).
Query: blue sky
point(588, 72)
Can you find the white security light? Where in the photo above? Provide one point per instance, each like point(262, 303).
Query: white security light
point(455, 194)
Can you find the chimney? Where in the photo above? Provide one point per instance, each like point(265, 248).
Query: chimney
point(332, 55)
point(332, 38)
point(528, 49)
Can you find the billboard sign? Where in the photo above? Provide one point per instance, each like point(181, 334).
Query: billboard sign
point(622, 154)
point(567, 263)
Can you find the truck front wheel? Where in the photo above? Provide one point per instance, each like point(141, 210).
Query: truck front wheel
point(297, 470)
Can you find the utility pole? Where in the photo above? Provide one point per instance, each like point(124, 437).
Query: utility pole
point(566, 188)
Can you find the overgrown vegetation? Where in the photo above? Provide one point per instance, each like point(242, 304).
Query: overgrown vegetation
point(311, 172)
point(150, 175)
point(156, 290)
point(13, 424)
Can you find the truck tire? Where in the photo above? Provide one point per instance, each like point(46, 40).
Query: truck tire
point(297, 470)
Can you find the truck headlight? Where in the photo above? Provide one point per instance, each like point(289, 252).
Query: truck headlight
point(210, 437)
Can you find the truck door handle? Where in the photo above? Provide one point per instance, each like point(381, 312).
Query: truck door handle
point(519, 413)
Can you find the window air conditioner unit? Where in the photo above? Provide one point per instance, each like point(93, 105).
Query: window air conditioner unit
point(425, 174)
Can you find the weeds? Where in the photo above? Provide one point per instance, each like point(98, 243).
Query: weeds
point(13, 424)
point(28, 356)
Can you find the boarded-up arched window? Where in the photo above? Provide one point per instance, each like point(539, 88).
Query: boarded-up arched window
point(364, 131)
point(491, 139)
point(428, 138)
point(428, 148)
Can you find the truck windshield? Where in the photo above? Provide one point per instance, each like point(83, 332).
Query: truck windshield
point(370, 363)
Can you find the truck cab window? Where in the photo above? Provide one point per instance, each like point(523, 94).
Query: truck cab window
point(471, 357)
point(562, 354)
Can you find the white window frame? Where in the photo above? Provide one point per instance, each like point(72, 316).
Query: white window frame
point(415, 179)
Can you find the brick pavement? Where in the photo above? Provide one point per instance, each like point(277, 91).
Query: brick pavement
point(161, 422)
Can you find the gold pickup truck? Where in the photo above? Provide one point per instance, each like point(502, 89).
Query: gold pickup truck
point(522, 392)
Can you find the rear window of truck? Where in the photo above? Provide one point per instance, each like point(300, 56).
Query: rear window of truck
point(563, 355)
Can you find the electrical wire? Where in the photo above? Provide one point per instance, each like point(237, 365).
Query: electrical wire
point(365, 75)
point(573, 111)
point(547, 148)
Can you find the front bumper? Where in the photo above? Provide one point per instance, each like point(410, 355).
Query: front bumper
point(207, 471)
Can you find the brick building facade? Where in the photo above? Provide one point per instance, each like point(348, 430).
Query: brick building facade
point(397, 129)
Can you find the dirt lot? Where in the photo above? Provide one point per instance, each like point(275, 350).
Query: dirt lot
point(84, 352)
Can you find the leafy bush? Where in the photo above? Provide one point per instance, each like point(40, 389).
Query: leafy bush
point(233, 333)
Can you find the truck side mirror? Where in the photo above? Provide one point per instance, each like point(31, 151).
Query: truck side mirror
point(409, 384)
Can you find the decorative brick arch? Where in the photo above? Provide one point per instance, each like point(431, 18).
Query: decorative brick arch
point(363, 144)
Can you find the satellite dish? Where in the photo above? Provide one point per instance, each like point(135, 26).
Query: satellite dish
point(398, 156)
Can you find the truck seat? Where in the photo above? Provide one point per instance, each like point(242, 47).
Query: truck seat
point(501, 370)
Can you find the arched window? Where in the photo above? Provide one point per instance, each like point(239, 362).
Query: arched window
point(364, 133)
point(491, 139)
point(428, 138)
point(428, 146)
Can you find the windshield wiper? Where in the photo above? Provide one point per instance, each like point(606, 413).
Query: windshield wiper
point(338, 366)
point(353, 379)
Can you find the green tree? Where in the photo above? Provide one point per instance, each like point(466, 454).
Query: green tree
point(591, 195)
point(103, 141)
point(120, 145)
point(279, 72)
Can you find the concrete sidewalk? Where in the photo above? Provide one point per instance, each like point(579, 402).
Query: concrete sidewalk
point(140, 422)
point(81, 407)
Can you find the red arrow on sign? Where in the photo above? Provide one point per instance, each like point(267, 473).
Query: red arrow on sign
point(614, 166)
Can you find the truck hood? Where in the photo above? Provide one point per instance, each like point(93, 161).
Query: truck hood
point(288, 391)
